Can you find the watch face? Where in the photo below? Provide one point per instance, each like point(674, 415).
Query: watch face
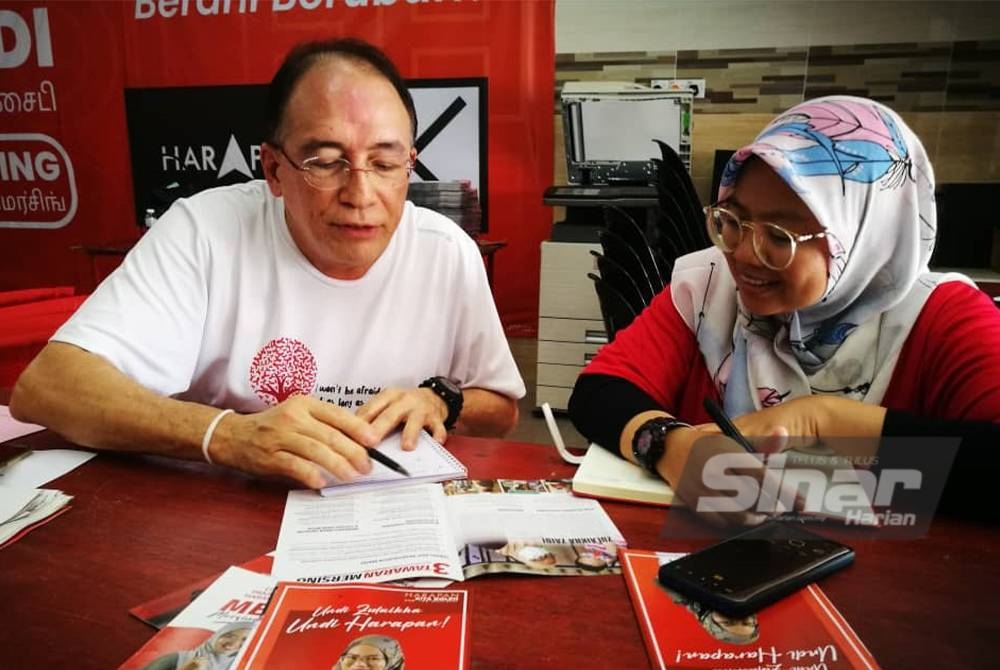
point(643, 442)
point(449, 384)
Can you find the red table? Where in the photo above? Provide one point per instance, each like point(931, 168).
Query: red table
point(144, 526)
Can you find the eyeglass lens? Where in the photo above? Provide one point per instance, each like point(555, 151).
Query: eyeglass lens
point(773, 245)
point(336, 173)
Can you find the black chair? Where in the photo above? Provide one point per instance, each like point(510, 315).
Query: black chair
point(619, 278)
point(681, 221)
point(615, 309)
point(619, 222)
point(621, 252)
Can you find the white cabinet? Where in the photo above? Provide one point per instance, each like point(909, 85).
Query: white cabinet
point(570, 329)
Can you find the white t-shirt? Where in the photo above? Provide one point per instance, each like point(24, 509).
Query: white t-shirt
point(216, 304)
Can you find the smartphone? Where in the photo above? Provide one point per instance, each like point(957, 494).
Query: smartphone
point(749, 571)
point(728, 428)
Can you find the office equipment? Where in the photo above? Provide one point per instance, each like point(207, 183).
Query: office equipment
point(803, 630)
point(749, 571)
point(570, 326)
point(609, 128)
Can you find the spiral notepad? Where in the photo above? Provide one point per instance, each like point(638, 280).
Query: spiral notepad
point(429, 462)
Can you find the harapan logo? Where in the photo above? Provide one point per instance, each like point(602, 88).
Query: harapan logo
point(282, 368)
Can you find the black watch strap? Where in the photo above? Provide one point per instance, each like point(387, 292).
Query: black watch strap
point(649, 440)
point(450, 393)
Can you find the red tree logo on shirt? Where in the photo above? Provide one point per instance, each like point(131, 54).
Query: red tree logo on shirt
point(282, 368)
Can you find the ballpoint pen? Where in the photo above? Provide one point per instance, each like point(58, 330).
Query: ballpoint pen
point(728, 428)
point(377, 455)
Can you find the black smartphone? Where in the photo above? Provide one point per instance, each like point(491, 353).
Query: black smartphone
point(728, 428)
point(749, 571)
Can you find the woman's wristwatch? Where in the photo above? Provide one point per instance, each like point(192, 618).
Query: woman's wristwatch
point(649, 442)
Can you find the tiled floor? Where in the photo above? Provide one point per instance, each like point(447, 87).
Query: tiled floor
point(532, 428)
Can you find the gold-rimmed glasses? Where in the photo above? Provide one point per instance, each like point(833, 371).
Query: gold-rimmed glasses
point(773, 245)
point(328, 175)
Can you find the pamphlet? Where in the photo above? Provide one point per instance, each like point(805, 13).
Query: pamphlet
point(161, 611)
point(342, 626)
point(23, 509)
point(802, 630)
point(533, 527)
point(210, 631)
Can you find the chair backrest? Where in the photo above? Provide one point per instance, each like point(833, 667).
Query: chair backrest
point(681, 221)
point(615, 275)
point(615, 309)
point(622, 253)
point(618, 222)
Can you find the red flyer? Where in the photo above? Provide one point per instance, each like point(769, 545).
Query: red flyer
point(803, 630)
point(344, 626)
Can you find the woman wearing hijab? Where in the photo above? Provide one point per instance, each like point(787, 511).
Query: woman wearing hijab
point(371, 652)
point(815, 314)
point(215, 653)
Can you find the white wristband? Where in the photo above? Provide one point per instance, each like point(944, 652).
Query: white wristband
point(207, 440)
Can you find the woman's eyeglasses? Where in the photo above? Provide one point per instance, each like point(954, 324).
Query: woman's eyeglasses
point(371, 660)
point(773, 245)
point(328, 175)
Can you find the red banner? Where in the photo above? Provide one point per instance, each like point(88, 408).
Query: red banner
point(65, 171)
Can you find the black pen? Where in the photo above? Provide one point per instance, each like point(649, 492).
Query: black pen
point(728, 428)
point(377, 455)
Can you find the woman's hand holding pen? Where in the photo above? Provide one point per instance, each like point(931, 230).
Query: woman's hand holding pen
point(802, 422)
point(697, 456)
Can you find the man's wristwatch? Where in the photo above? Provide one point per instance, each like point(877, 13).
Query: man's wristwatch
point(451, 393)
point(650, 440)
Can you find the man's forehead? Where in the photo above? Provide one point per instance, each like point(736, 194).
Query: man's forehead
point(343, 90)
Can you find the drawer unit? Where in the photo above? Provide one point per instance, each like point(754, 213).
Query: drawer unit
point(570, 329)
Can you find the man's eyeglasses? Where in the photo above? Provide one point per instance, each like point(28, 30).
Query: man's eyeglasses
point(773, 245)
point(327, 175)
point(371, 660)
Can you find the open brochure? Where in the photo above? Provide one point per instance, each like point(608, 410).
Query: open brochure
point(346, 626)
point(802, 630)
point(428, 462)
point(210, 631)
point(418, 531)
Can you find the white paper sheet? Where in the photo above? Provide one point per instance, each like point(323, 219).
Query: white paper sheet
point(41, 467)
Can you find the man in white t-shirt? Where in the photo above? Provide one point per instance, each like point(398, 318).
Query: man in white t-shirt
point(319, 310)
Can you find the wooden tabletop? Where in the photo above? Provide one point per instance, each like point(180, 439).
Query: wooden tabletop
point(143, 526)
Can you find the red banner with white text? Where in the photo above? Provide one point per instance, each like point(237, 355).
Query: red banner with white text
point(76, 76)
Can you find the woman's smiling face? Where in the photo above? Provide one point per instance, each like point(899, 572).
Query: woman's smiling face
point(761, 195)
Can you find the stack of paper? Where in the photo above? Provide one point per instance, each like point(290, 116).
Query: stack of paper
point(23, 509)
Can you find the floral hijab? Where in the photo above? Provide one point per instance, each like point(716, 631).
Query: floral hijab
point(866, 178)
point(389, 647)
